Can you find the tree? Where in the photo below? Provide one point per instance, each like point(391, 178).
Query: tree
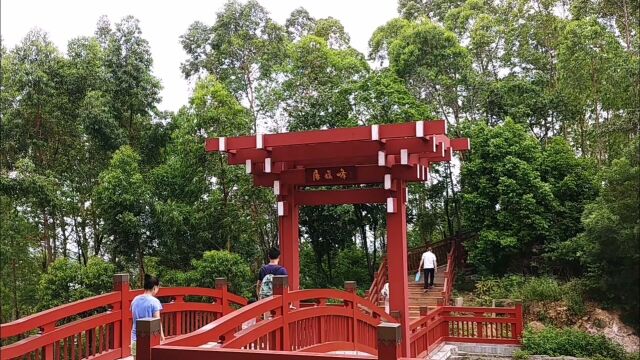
point(574, 185)
point(67, 281)
point(243, 49)
point(504, 199)
point(19, 265)
point(595, 75)
point(202, 203)
point(123, 200)
point(609, 247)
point(320, 83)
point(430, 61)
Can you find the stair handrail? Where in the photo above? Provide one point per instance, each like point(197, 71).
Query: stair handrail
point(447, 248)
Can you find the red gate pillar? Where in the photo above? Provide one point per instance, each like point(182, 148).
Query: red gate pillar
point(288, 235)
point(397, 255)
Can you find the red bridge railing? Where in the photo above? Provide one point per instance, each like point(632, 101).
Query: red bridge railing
point(304, 320)
point(100, 327)
point(465, 324)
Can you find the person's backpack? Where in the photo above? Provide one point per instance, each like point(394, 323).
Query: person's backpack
point(266, 287)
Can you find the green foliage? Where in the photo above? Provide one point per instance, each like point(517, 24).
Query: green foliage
point(66, 281)
point(19, 268)
point(532, 290)
point(609, 246)
point(122, 200)
point(214, 264)
point(521, 355)
point(570, 342)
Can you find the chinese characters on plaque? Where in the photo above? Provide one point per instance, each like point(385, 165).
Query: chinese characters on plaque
point(330, 175)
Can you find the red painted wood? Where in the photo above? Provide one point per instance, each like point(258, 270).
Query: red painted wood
point(289, 237)
point(397, 250)
point(175, 352)
point(386, 131)
point(336, 197)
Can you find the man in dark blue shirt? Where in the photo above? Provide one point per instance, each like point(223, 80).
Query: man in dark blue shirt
point(264, 286)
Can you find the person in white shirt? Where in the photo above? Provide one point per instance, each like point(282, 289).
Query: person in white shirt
point(385, 296)
point(428, 264)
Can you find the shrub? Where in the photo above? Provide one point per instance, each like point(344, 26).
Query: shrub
point(224, 264)
point(570, 342)
point(540, 289)
point(521, 355)
point(66, 281)
point(532, 289)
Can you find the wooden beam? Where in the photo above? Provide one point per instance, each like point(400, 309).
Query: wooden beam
point(386, 131)
point(320, 153)
point(366, 174)
point(338, 197)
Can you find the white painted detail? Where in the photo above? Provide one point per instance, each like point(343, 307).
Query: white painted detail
point(391, 205)
point(280, 208)
point(445, 127)
point(418, 171)
point(222, 146)
point(433, 142)
point(424, 172)
point(259, 141)
point(267, 165)
point(387, 181)
point(247, 166)
point(375, 133)
point(382, 158)
point(443, 150)
point(420, 129)
point(276, 187)
point(404, 156)
point(406, 195)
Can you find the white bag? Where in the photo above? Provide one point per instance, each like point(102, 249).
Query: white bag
point(418, 276)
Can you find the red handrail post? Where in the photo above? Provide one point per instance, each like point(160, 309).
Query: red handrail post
point(48, 349)
point(389, 340)
point(221, 284)
point(178, 325)
point(351, 287)
point(519, 322)
point(281, 288)
point(147, 336)
point(122, 333)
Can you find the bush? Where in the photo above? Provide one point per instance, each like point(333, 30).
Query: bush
point(521, 355)
point(217, 264)
point(570, 342)
point(532, 289)
point(540, 289)
point(66, 281)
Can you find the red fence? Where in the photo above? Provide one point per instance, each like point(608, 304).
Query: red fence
point(303, 320)
point(100, 327)
point(264, 341)
point(465, 324)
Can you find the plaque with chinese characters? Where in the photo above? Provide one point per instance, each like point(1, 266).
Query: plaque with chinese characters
point(330, 174)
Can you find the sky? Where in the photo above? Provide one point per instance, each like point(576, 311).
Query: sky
point(162, 24)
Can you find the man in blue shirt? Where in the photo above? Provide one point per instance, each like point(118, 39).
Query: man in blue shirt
point(145, 306)
point(264, 286)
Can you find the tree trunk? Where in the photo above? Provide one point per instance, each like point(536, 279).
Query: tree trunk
point(14, 275)
point(81, 252)
point(46, 239)
point(141, 265)
point(65, 238)
point(454, 195)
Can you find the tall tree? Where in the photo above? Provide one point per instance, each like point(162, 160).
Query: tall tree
point(243, 49)
point(123, 200)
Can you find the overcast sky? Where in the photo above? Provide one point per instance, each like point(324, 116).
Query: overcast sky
point(163, 22)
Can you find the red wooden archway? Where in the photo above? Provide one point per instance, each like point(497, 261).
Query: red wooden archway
point(386, 155)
